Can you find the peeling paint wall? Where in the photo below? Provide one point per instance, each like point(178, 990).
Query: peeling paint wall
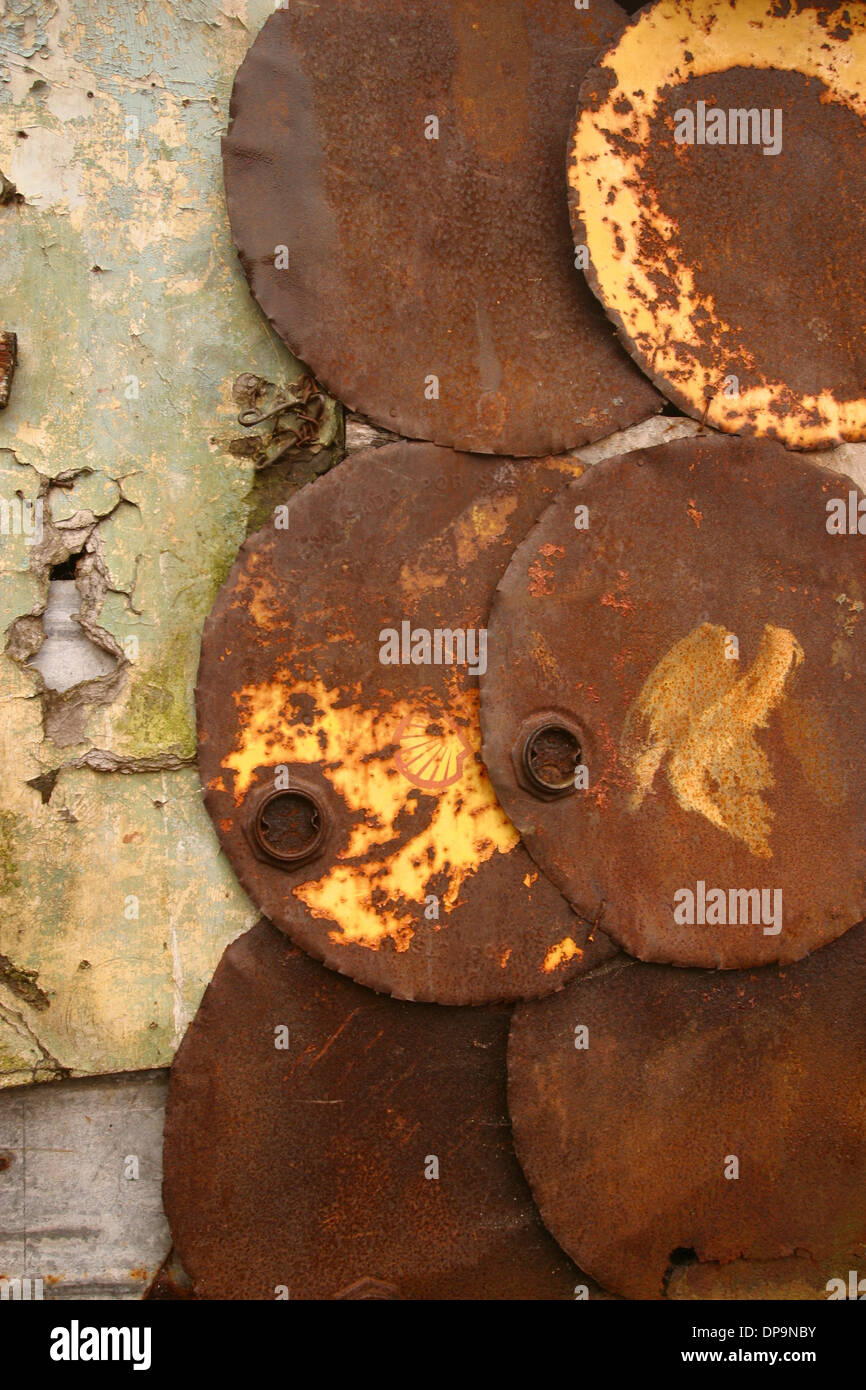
point(134, 322)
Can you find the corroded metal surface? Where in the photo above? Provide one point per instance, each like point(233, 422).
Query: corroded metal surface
point(349, 794)
point(394, 182)
point(796, 1277)
point(718, 180)
point(699, 1116)
point(171, 1283)
point(368, 1158)
point(686, 614)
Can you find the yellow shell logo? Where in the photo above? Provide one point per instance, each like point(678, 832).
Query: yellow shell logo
point(431, 752)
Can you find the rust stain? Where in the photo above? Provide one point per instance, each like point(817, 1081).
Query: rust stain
point(261, 603)
point(491, 79)
point(542, 573)
point(619, 599)
point(373, 892)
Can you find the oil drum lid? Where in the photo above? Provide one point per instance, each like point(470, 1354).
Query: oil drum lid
point(676, 1121)
point(339, 742)
point(394, 176)
point(673, 706)
point(323, 1141)
point(718, 183)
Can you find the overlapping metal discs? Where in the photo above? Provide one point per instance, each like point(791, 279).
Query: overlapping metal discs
point(504, 742)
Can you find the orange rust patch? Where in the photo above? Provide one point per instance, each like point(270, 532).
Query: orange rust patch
point(619, 599)
point(541, 574)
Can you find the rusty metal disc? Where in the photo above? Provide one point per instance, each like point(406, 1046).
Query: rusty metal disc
point(323, 1141)
point(718, 182)
point(670, 1117)
point(347, 790)
point(394, 183)
point(673, 707)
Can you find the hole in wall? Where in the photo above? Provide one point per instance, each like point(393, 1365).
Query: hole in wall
point(68, 656)
point(66, 569)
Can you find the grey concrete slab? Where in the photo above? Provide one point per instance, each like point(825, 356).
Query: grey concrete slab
point(81, 1185)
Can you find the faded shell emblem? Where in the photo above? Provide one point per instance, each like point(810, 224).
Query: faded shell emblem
point(696, 711)
point(431, 752)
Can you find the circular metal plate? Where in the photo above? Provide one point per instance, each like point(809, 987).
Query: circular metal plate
point(394, 183)
point(667, 1117)
point(718, 180)
point(339, 743)
point(363, 1153)
point(684, 616)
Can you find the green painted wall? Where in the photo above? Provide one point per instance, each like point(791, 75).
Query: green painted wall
point(134, 321)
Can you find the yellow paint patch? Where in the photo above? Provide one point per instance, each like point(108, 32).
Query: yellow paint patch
point(849, 613)
point(700, 714)
point(373, 894)
point(482, 527)
point(666, 46)
point(560, 954)
point(543, 658)
point(263, 604)
point(416, 580)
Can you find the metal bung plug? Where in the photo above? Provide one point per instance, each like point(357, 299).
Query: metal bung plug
point(289, 827)
point(547, 755)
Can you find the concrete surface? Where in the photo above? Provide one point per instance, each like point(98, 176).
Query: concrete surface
point(72, 1213)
